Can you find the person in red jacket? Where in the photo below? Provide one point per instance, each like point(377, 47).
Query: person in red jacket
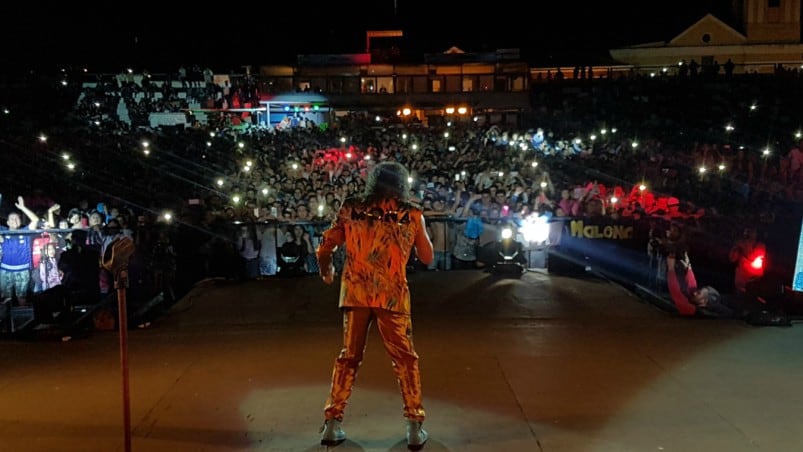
point(690, 299)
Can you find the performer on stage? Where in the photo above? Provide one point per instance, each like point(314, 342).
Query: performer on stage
point(379, 230)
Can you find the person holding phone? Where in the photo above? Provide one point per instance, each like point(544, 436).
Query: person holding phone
point(689, 298)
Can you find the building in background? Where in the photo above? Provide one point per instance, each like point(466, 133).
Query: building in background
point(764, 35)
point(490, 87)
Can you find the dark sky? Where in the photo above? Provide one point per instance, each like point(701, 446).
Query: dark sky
point(116, 34)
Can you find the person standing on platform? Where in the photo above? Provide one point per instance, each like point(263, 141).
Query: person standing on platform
point(379, 230)
point(16, 258)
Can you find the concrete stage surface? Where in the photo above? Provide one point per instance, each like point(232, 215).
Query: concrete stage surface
point(539, 363)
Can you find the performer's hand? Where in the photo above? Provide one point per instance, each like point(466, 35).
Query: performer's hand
point(328, 275)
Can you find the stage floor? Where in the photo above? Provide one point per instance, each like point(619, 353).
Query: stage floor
point(538, 363)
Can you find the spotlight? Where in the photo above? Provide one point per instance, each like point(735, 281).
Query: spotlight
point(509, 255)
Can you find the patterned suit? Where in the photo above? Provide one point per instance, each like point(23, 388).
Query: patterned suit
point(379, 237)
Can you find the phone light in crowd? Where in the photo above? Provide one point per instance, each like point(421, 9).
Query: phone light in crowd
point(415, 146)
point(404, 136)
point(463, 173)
point(146, 151)
point(757, 263)
point(265, 191)
point(367, 157)
point(721, 167)
point(593, 137)
point(729, 128)
point(294, 166)
point(65, 156)
point(342, 139)
point(406, 111)
point(235, 199)
point(457, 177)
point(241, 145)
point(462, 110)
point(320, 209)
point(348, 155)
point(212, 134)
point(64, 83)
point(753, 106)
point(702, 169)
point(448, 123)
point(642, 187)
point(246, 168)
point(543, 184)
point(167, 216)
point(97, 104)
point(409, 179)
point(452, 148)
point(614, 199)
point(219, 182)
point(766, 152)
point(249, 163)
point(798, 134)
point(42, 138)
point(501, 174)
point(6, 111)
point(71, 166)
point(445, 134)
point(613, 130)
point(130, 71)
point(209, 144)
point(634, 144)
point(145, 144)
point(534, 164)
point(378, 118)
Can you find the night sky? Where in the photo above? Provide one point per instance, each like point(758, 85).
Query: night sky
point(122, 34)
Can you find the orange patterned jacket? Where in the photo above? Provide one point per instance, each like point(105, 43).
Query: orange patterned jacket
point(378, 240)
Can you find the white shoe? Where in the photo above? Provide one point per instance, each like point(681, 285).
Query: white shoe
point(416, 435)
point(331, 433)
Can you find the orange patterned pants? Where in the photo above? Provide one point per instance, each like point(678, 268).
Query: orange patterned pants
point(397, 334)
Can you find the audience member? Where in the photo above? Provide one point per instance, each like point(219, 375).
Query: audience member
point(16, 255)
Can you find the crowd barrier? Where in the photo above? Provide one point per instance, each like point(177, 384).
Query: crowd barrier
point(456, 245)
point(619, 249)
point(617, 246)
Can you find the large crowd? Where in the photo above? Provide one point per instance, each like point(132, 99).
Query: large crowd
point(215, 200)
